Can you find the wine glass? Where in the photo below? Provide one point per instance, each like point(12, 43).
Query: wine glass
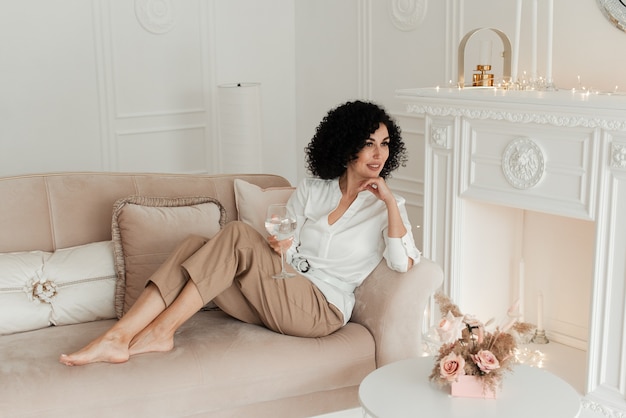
point(281, 223)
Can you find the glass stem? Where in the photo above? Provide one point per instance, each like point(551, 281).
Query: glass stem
point(282, 261)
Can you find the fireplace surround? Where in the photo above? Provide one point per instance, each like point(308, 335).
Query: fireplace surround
point(503, 165)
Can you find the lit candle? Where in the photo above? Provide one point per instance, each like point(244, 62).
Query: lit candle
point(533, 55)
point(540, 312)
point(516, 41)
point(550, 16)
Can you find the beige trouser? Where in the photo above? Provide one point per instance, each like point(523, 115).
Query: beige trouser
point(234, 269)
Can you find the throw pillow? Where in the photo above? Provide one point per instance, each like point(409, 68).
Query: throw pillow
point(68, 286)
point(147, 229)
point(252, 202)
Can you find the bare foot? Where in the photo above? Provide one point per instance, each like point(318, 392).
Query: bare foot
point(104, 349)
point(150, 341)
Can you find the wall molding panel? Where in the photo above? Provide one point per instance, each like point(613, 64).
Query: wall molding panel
point(454, 29)
point(364, 39)
point(408, 181)
point(183, 149)
point(102, 41)
point(138, 99)
point(208, 21)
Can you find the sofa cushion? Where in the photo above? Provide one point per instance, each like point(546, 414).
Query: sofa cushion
point(252, 202)
point(146, 229)
point(217, 364)
point(68, 286)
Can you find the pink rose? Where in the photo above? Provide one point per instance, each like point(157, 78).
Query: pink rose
point(486, 361)
point(451, 367)
point(450, 328)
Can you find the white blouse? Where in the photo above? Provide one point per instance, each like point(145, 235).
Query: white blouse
point(340, 256)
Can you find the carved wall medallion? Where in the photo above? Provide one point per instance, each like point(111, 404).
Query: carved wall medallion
point(618, 155)
point(155, 16)
point(439, 136)
point(407, 14)
point(523, 163)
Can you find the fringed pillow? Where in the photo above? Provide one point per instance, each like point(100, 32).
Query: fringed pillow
point(145, 231)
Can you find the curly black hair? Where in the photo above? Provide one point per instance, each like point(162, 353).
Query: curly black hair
point(343, 133)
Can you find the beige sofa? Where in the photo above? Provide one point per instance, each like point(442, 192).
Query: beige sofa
point(219, 367)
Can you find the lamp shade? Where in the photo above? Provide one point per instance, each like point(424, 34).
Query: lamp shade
point(240, 130)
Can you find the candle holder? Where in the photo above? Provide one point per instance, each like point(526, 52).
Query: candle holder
point(483, 78)
point(506, 55)
point(550, 86)
point(540, 337)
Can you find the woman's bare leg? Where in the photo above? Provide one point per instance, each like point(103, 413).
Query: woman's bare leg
point(147, 327)
point(113, 345)
point(159, 334)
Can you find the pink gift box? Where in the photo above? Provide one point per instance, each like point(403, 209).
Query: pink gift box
point(471, 387)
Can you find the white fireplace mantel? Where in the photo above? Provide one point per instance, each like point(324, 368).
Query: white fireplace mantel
point(560, 152)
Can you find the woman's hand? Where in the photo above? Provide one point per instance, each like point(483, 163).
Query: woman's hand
point(396, 229)
point(276, 245)
point(378, 186)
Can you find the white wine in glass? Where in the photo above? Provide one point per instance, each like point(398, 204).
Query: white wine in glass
point(281, 223)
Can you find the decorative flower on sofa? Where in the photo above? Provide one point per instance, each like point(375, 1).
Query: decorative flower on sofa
point(468, 348)
point(41, 289)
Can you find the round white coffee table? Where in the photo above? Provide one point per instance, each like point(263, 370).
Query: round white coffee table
point(402, 389)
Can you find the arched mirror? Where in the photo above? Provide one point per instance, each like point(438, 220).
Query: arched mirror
point(615, 11)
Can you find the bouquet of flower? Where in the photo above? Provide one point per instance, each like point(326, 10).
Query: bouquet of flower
point(468, 348)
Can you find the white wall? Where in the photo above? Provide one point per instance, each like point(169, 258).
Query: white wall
point(49, 115)
point(326, 63)
point(89, 85)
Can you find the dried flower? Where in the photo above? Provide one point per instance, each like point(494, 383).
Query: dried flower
point(487, 354)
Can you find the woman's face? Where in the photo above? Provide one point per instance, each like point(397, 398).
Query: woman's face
point(372, 157)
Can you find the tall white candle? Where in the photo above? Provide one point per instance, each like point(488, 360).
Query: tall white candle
point(540, 311)
point(485, 53)
point(549, 40)
point(533, 55)
point(521, 281)
point(516, 41)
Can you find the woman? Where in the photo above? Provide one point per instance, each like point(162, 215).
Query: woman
point(348, 220)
